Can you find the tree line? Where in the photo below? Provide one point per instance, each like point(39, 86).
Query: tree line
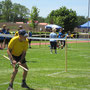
point(10, 12)
point(13, 12)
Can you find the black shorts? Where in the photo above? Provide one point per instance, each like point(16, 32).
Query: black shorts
point(30, 40)
point(7, 41)
point(53, 45)
point(1, 40)
point(17, 59)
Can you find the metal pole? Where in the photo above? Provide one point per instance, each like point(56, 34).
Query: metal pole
point(88, 8)
point(88, 16)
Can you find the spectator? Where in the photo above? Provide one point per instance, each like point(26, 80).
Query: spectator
point(20, 27)
point(7, 39)
point(3, 32)
point(53, 42)
point(1, 40)
point(4, 29)
point(30, 35)
point(61, 35)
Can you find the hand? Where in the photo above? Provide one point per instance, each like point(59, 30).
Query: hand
point(19, 63)
point(14, 62)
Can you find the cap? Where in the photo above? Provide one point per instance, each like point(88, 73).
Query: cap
point(20, 26)
point(53, 29)
point(23, 33)
point(4, 25)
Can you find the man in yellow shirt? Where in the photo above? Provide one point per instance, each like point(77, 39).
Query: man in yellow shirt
point(17, 48)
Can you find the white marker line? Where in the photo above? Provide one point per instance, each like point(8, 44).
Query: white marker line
point(55, 73)
point(45, 69)
point(5, 83)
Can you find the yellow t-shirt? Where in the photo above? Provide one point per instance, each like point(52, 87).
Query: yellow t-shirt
point(17, 46)
point(16, 34)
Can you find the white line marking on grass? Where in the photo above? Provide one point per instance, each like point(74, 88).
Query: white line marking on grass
point(85, 56)
point(69, 75)
point(55, 87)
point(78, 49)
point(5, 83)
point(8, 71)
point(55, 73)
point(44, 69)
point(62, 69)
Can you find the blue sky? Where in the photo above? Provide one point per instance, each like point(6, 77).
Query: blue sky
point(46, 6)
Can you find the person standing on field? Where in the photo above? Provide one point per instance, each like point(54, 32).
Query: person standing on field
point(4, 29)
point(53, 42)
point(20, 28)
point(30, 35)
point(16, 51)
point(7, 39)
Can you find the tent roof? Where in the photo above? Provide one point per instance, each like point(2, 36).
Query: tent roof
point(85, 25)
point(53, 26)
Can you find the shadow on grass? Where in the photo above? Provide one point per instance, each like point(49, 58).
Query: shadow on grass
point(31, 61)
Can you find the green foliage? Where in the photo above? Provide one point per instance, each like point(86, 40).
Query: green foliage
point(20, 12)
point(6, 9)
point(41, 19)
point(64, 17)
point(34, 16)
point(81, 20)
point(13, 12)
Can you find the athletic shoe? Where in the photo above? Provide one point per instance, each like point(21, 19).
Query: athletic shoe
point(10, 88)
point(24, 85)
point(55, 52)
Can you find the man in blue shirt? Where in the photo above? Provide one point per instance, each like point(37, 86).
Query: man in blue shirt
point(60, 35)
point(30, 35)
point(4, 29)
point(1, 40)
point(7, 39)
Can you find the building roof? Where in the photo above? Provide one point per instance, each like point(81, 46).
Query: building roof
point(43, 23)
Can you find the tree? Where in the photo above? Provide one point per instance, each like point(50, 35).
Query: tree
point(81, 20)
point(41, 19)
point(19, 12)
point(13, 12)
point(64, 17)
point(6, 9)
point(34, 16)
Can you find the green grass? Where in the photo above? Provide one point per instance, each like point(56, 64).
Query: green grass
point(47, 71)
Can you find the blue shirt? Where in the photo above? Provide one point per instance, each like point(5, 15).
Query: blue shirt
point(1, 37)
point(4, 30)
point(60, 35)
point(7, 33)
point(30, 34)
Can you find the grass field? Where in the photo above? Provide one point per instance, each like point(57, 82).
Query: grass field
point(47, 71)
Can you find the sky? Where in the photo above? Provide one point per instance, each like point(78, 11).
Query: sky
point(46, 6)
